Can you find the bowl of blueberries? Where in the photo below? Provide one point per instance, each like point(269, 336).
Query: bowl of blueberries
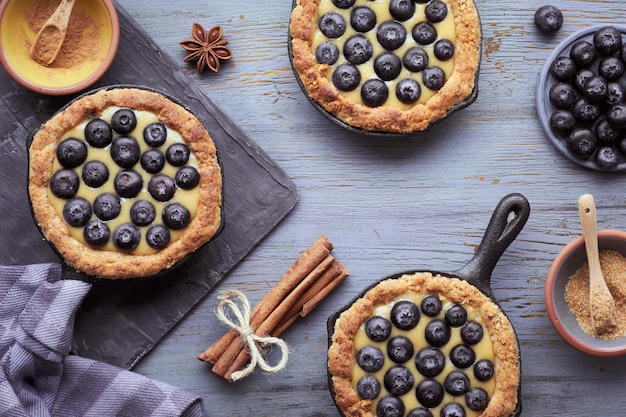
point(581, 98)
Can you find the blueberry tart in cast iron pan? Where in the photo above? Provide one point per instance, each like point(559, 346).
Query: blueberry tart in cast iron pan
point(125, 182)
point(428, 343)
point(386, 66)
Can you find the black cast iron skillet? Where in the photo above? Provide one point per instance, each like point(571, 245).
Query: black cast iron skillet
point(508, 219)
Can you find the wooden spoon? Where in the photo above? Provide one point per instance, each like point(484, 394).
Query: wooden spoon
point(51, 36)
point(601, 303)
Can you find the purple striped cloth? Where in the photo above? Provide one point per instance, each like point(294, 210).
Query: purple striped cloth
point(37, 375)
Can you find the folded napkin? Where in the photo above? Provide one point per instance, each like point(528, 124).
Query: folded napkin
point(38, 376)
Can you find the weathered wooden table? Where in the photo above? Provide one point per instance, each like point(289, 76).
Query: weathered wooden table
point(420, 202)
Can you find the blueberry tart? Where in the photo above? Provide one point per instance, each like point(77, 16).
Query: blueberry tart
point(391, 66)
point(125, 183)
point(424, 345)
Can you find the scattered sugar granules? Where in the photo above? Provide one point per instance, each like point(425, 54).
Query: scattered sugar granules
point(613, 266)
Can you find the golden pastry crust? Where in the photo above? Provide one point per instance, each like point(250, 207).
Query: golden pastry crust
point(120, 265)
point(341, 353)
point(458, 88)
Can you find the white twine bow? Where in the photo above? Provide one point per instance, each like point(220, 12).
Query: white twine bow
point(240, 309)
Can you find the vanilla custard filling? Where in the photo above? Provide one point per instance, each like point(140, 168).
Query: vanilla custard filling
point(445, 30)
point(483, 350)
point(188, 198)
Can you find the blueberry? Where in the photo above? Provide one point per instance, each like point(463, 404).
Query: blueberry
point(327, 53)
point(582, 142)
point(398, 380)
point(616, 115)
point(346, 77)
point(387, 66)
point(429, 393)
point(107, 206)
point(443, 49)
point(399, 349)
point(128, 183)
point(483, 370)
point(420, 412)
point(358, 49)
point(583, 54)
point(362, 19)
point(77, 212)
point(126, 236)
point(477, 399)
point(402, 9)
point(582, 77)
point(176, 216)
point(607, 40)
point(378, 328)
point(437, 333)
point(456, 316)
point(415, 59)
point(344, 4)
point(607, 134)
point(123, 121)
point(158, 236)
point(391, 35)
point(96, 233)
point(563, 69)
point(424, 33)
point(374, 92)
point(332, 24)
point(405, 315)
point(615, 93)
point(472, 332)
point(611, 68)
point(95, 174)
point(431, 305)
point(433, 78)
point(152, 161)
point(430, 362)
point(456, 383)
point(390, 406)
point(161, 187)
point(585, 111)
point(370, 358)
point(125, 151)
point(562, 121)
point(368, 387)
point(408, 90)
point(436, 11)
point(155, 134)
point(64, 183)
point(607, 157)
point(177, 154)
point(595, 89)
point(142, 213)
point(98, 133)
point(187, 177)
point(562, 95)
point(71, 152)
point(548, 19)
point(452, 409)
point(462, 356)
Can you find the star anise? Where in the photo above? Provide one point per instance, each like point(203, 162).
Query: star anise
point(207, 47)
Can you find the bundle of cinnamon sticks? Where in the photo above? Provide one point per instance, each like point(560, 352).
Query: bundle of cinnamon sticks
point(307, 282)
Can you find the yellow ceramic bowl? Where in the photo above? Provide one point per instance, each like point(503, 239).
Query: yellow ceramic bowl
point(88, 51)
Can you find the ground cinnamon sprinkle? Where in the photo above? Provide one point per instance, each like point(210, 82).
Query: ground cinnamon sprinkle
point(81, 31)
point(613, 266)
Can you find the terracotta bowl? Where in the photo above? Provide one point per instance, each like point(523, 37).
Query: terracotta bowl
point(570, 259)
point(79, 64)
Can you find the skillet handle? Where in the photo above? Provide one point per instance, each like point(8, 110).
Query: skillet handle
point(507, 221)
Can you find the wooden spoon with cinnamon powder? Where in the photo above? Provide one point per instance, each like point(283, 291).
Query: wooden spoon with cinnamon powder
point(50, 37)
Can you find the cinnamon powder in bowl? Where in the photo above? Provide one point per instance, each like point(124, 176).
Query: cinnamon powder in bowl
point(87, 52)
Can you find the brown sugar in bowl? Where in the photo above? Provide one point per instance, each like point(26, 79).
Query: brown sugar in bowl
point(571, 258)
point(87, 52)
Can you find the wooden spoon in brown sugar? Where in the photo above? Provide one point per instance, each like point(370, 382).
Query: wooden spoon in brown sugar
point(601, 302)
point(50, 38)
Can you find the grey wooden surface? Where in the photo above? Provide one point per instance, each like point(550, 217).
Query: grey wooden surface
point(388, 205)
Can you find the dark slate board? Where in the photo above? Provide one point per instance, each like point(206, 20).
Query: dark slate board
point(119, 322)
